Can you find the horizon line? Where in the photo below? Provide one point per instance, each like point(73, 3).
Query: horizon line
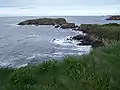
point(55, 15)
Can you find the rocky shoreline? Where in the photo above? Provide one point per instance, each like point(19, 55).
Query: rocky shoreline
point(91, 38)
point(62, 24)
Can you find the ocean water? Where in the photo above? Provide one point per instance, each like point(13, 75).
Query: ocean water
point(23, 45)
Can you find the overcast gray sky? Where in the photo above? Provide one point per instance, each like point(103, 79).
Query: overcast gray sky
point(59, 7)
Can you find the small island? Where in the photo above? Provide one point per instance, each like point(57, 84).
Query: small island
point(57, 22)
point(117, 17)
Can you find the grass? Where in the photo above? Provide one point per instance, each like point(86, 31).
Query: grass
point(97, 71)
point(44, 21)
point(109, 31)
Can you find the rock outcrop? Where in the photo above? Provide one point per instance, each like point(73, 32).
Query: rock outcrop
point(92, 34)
point(79, 37)
point(44, 21)
point(84, 40)
point(56, 22)
point(117, 17)
point(68, 25)
point(87, 40)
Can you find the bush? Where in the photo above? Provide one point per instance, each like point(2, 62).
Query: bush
point(23, 77)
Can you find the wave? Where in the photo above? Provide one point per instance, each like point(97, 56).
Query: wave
point(4, 64)
point(23, 65)
point(65, 41)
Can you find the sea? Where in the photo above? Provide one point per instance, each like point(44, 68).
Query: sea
point(30, 45)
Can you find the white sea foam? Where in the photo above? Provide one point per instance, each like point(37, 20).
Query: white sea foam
point(37, 55)
point(67, 41)
point(23, 65)
point(4, 64)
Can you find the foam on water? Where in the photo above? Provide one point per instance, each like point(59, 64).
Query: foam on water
point(23, 65)
point(64, 41)
point(5, 64)
point(67, 41)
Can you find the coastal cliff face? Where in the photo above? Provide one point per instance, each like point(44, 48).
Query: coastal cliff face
point(114, 18)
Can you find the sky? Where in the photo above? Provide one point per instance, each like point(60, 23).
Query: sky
point(59, 7)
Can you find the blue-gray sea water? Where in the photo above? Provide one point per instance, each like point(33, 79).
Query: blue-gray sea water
point(23, 45)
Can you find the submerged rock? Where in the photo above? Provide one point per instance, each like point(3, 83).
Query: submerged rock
point(57, 26)
point(70, 38)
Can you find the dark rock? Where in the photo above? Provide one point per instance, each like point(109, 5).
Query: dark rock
point(57, 26)
point(76, 26)
point(85, 31)
point(85, 40)
point(68, 25)
point(117, 17)
point(84, 43)
point(79, 37)
point(70, 38)
point(53, 40)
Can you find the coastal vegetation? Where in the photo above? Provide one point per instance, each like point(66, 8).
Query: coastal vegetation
point(43, 21)
point(98, 70)
point(99, 35)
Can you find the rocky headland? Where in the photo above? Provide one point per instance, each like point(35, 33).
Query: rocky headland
point(117, 17)
point(98, 35)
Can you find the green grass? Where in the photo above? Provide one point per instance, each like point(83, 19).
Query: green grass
point(109, 31)
point(112, 29)
point(98, 70)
